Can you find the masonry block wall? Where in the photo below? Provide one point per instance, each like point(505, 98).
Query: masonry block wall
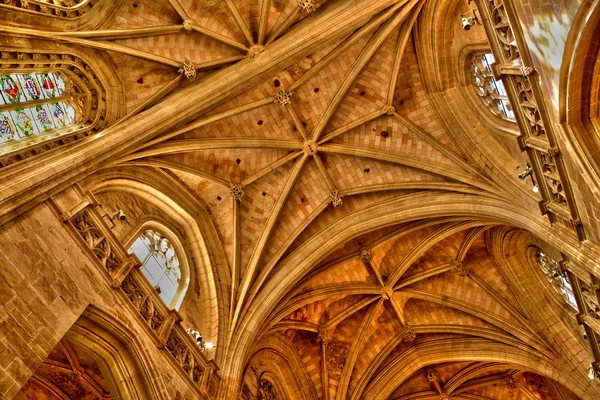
point(46, 283)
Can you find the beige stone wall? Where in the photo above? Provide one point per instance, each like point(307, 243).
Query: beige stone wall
point(47, 283)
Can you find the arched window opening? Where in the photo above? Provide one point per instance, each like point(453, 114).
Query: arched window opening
point(38, 103)
point(491, 91)
point(556, 277)
point(68, 9)
point(160, 264)
point(46, 100)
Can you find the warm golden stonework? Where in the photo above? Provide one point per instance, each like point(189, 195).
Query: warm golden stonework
point(299, 199)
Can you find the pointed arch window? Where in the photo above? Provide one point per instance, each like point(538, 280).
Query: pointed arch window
point(38, 104)
point(491, 91)
point(46, 100)
point(57, 8)
point(556, 277)
point(160, 264)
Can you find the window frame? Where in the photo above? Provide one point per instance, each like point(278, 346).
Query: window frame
point(161, 229)
point(81, 117)
point(490, 91)
point(497, 125)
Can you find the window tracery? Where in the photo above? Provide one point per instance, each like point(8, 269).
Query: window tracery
point(160, 264)
point(491, 91)
point(36, 103)
point(68, 9)
point(46, 100)
point(556, 277)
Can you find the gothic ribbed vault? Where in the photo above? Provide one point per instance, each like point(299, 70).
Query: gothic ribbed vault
point(351, 215)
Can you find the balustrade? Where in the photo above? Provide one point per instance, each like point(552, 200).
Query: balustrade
point(586, 294)
point(123, 273)
point(513, 66)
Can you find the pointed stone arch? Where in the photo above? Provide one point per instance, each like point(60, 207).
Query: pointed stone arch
point(92, 89)
point(117, 365)
point(61, 14)
point(207, 261)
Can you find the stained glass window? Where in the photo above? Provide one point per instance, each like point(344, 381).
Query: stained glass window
point(43, 105)
point(556, 277)
point(491, 91)
point(160, 264)
point(56, 8)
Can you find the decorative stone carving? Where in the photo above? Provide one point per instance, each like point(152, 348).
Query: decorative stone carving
point(325, 333)
point(590, 300)
point(266, 390)
point(389, 110)
point(336, 198)
point(255, 50)
point(283, 97)
point(310, 147)
point(236, 192)
point(459, 268)
point(503, 30)
point(552, 178)
point(57, 8)
point(387, 293)
point(337, 352)
point(527, 70)
point(366, 256)
point(306, 5)
point(511, 383)
point(185, 357)
point(188, 25)
point(188, 69)
point(408, 335)
point(143, 303)
point(19, 61)
point(95, 240)
point(529, 107)
point(433, 376)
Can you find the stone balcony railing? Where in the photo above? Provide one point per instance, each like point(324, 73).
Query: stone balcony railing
point(586, 290)
point(123, 274)
point(538, 137)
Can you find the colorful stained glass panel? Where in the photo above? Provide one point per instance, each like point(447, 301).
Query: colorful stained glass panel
point(43, 115)
point(24, 122)
point(52, 84)
point(7, 128)
point(11, 89)
point(31, 87)
point(42, 120)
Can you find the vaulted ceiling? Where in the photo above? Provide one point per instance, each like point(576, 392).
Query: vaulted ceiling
point(332, 189)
